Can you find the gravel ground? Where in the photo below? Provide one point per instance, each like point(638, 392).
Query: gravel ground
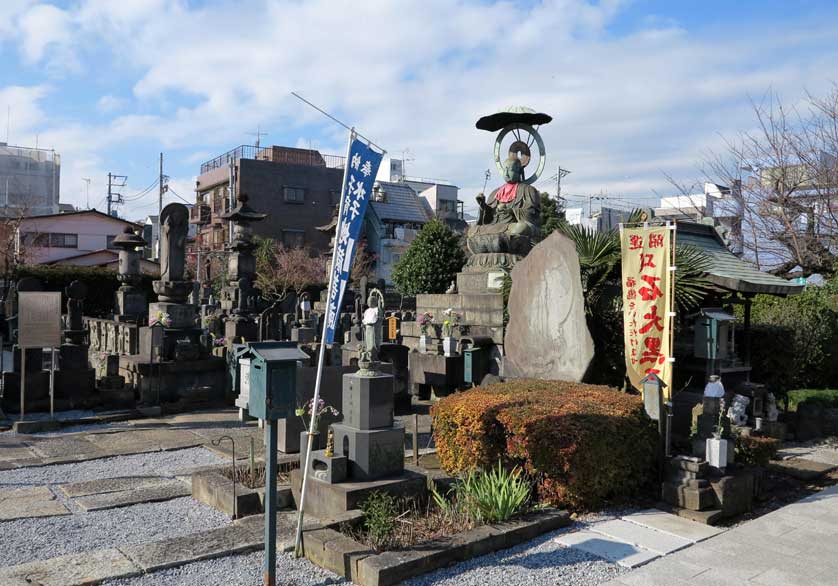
point(538, 562)
point(149, 464)
point(238, 570)
point(48, 537)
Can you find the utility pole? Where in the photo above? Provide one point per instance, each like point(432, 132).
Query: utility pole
point(163, 187)
point(115, 197)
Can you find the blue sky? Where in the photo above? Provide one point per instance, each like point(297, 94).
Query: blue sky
point(637, 89)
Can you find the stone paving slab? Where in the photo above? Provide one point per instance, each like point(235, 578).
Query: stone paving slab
point(795, 545)
point(15, 451)
point(162, 491)
point(72, 570)
point(621, 553)
point(22, 503)
point(204, 545)
point(101, 486)
point(802, 468)
point(673, 524)
point(71, 447)
point(643, 537)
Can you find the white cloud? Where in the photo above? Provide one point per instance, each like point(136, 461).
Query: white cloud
point(418, 75)
point(109, 103)
point(19, 106)
point(42, 27)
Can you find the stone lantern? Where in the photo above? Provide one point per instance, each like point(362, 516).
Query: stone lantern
point(130, 299)
point(240, 297)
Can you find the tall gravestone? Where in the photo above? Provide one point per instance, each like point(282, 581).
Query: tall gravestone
point(74, 380)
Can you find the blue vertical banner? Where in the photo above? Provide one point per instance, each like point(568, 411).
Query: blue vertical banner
point(361, 168)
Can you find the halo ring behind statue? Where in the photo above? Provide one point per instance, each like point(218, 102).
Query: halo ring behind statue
point(524, 146)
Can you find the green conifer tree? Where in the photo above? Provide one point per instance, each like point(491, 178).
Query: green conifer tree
point(431, 261)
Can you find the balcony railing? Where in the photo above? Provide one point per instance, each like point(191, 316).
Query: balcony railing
point(277, 154)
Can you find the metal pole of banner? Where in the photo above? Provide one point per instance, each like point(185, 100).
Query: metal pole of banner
point(22, 380)
point(298, 546)
point(52, 383)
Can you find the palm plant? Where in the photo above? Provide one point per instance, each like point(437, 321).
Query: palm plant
point(600, 265)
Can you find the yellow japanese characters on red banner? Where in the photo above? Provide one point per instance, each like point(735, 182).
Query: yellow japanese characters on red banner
point(646, 255)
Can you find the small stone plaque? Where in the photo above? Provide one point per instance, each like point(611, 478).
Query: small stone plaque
point(494, 280)
point(39, 317)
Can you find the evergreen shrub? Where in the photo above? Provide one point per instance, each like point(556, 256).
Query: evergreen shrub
point(582, 444)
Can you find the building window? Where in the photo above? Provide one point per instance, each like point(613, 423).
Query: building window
point(109, 244)
point(293, 238)
point(294, 194)
point(57, 240)
point(446, 205)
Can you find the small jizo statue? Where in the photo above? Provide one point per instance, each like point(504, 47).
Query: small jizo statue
point(373, 318)
point(330, 444)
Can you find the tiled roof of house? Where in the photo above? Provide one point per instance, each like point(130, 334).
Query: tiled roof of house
point(728, 270)
point(401, 204)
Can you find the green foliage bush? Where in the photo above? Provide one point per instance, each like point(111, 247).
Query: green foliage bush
point(101, 284)
point(485, 496)
point(755, 450)
point(380, 511)
point(431, 261)
point(795, 339)
point(827, 398)
point(582, 444)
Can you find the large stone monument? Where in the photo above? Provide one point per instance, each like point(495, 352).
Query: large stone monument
point(172, 289)
point(547, 335)
point(509, 220)
point(240, 298)
point(174, 367)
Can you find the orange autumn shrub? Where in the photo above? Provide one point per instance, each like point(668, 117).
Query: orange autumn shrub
point(583, 444)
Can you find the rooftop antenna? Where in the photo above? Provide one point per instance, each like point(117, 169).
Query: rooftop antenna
point(258, 134)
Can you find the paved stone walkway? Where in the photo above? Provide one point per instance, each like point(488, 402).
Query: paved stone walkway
point(796, 545)
point(638, 538)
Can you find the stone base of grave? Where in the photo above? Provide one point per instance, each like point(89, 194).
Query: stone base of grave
point(113, 394)
point(76, 387)
point(326, 500)
point(303, 335)
point(435, 373)
point(691, 486)
point(130, 304)
point(372, 453)
point(189, 382)
point(181, 344)
point(36, 396)
point(238, 329)
point(481, 316)
point(182, 315)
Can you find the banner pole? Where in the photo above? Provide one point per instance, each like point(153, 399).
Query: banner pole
point(298, 545)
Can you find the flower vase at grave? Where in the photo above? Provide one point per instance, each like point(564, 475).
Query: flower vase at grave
point(449, 346)
point(716, 450)
point(424, 343)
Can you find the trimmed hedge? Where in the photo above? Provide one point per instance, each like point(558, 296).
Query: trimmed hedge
point(101, 285)
point(756, 450)
point(583, 444)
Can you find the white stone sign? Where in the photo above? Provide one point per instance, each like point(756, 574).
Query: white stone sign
point(39, 319)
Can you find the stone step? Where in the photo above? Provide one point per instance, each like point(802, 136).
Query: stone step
point(613, 550)
point(643, 537)
point(673, 525)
